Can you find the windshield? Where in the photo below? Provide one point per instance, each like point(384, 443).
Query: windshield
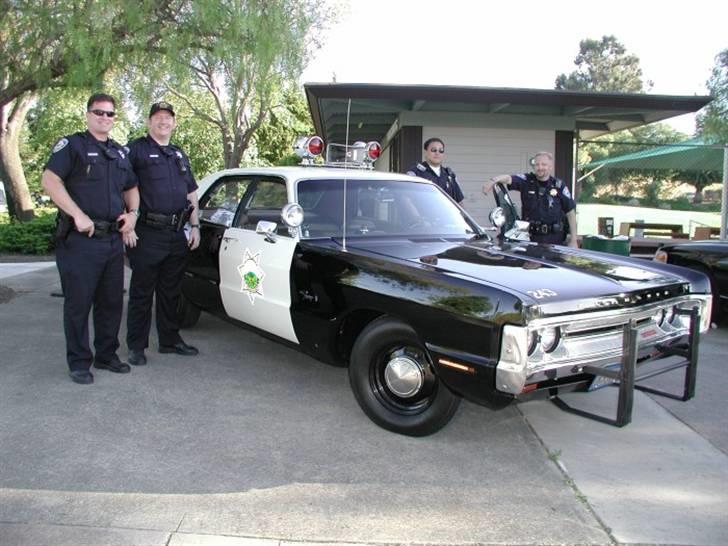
point(378, 207)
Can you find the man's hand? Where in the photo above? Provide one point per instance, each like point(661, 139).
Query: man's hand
point(130, 238)
point(488, 186)
point(194, 240)
point(84, 224)
point(127, 222)
point(573, 241)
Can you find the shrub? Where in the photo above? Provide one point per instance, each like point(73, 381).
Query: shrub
point(34, 237)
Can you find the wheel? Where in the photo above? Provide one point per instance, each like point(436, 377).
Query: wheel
point(394, 381)
point(187, 313)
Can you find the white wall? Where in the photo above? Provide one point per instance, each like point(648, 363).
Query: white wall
point(477, 153)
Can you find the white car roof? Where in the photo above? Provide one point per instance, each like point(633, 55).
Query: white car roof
point(293, 174)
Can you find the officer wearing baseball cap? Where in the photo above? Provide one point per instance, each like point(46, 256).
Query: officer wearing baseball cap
point(158, 250)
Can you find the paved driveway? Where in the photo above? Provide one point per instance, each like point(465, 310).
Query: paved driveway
point(254, 440)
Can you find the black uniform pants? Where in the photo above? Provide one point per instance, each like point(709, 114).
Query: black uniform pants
point(157, 263)
point(92, 276)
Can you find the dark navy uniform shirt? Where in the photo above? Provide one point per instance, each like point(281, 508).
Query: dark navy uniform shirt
point(546, 202)
point(165, 176)
point(447, 179)
point(94, 173)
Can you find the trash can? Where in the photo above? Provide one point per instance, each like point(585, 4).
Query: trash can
point(602, 244)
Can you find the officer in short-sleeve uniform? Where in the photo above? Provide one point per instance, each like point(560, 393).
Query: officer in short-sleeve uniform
point(546, 202)
point(545, 205)
point(96, 175)
point(168, 201)
point(431, 168)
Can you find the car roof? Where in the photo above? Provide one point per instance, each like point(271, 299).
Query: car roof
point(292, 174)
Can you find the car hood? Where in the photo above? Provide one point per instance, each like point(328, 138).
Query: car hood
point(555, 278)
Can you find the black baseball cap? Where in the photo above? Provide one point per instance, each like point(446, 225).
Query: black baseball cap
point(157, 106)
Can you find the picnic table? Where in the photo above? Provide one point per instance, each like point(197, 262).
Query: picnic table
point(652, 229)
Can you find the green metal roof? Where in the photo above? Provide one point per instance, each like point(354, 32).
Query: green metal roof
point(689, 155)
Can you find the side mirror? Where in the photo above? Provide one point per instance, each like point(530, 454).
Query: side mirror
point(267, 229)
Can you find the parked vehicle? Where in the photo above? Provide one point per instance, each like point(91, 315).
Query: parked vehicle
point(708, 257)
point(385, 274)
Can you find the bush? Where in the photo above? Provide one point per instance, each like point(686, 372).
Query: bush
point(34, 237)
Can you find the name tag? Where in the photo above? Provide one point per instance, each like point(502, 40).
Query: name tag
point(92, 153)
point(153, 155)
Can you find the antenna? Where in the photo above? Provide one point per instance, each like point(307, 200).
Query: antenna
point(346, 154)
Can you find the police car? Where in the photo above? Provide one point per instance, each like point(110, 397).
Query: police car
point(385, 274)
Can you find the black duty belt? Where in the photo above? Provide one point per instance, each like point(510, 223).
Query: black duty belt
point(104, 228)
point(171, 222)
point(538, 228)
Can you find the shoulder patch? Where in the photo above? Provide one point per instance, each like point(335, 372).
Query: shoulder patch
point(421, 167)
point(411, 173)
point(60, 145)
point(566, 193)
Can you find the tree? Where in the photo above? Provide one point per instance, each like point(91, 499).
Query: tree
point(604, 66)
point(250, 73)
point(274, 140)
point(48, 44)
point(712, 122)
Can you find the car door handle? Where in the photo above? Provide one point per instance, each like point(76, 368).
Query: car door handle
point(228, 238)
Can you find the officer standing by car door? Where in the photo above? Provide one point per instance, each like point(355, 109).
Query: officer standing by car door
point(546, 202)
point(159, 248)
point(433, 170)
point(90, 179)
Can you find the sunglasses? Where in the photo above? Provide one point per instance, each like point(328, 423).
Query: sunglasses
point(103, 113)
point(437, 150)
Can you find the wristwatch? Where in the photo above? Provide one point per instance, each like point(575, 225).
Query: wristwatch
point(136, 212)
point(195, 226)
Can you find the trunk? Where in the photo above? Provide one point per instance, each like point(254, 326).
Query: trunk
point(12, 117)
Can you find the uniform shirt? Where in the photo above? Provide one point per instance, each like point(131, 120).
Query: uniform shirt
point(546, 202)
point(94, 173)
point(446, 180)
point(165, 176)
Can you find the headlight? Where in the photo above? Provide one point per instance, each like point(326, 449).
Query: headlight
point(659, 317)
point(550, 338)
point(532, 341)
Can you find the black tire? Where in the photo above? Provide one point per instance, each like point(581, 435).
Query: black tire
point(425, 410)
point(187, 313)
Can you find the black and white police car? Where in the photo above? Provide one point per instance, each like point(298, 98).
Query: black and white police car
point(385, 274)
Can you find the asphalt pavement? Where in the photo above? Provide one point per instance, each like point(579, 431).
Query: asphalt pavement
point(253, 443)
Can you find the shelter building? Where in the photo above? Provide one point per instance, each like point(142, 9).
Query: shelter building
point(487, 131)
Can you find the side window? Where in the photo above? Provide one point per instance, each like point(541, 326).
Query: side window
point(266, 200)
point(220, 202)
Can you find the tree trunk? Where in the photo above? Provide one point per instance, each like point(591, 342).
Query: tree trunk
point(12, 117)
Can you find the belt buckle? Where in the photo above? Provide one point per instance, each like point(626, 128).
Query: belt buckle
point(173, 220)
point(544, 228)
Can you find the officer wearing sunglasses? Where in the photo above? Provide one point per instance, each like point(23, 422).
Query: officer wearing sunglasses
point(90, 179)
point(158, 257)
point(432, 169)
point(546, 202)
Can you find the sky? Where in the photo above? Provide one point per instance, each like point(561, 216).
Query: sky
point(519, 43)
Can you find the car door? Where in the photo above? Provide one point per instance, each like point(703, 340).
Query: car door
point(255, 270)
point(217, 209)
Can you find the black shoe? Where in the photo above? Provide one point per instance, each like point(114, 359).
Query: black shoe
point(180, 348)
point(115, 365)
point(137, 358)
point(82, 377)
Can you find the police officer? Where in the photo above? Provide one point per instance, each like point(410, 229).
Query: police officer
point(89, 178)
point(159, 248)
point(433, 170)
point(546, 201)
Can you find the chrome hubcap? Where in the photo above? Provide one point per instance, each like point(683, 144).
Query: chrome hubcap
point(404, 376)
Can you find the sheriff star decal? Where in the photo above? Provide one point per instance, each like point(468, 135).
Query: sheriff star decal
point(252, 276)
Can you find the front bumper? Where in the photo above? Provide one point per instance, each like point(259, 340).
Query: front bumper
point(594, 340)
